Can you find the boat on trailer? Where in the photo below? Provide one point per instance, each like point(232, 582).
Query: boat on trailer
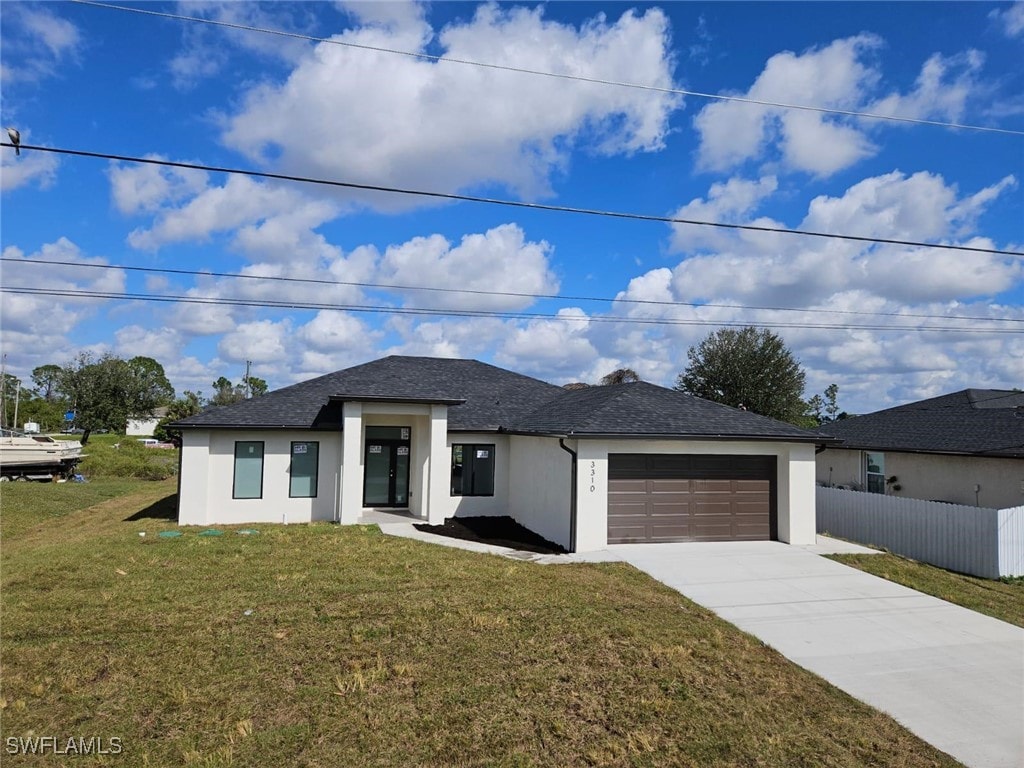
point(36, 457)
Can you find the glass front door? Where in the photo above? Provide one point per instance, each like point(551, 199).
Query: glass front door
point(386, 482)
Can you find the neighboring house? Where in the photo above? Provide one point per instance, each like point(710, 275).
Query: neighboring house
point(144, 425)
point(966, 447)
point(439, 438)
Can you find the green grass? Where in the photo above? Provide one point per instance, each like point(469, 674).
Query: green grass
point(28, 505)
point(320, 645)
point(1003, 599)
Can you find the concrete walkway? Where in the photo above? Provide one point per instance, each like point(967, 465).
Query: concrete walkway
point(952, 676)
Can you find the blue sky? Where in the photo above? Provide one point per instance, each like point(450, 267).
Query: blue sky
point(89, 78)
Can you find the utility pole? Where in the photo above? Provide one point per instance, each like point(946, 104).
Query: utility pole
point(248, 387)
point(3, 390)
point(17, 399)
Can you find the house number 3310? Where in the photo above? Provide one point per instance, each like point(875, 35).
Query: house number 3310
point(593, 476)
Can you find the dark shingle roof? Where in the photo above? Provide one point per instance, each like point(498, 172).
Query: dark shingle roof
point(639, 408)
point(486, 398)
point(492, 396)
point(977, 422)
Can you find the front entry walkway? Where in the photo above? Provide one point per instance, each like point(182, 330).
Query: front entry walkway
point(952, 676)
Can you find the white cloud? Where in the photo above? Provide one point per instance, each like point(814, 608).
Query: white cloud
point(838, 76)
point(1011, 19)
point(147, 188)
point(239, 202)
point(34, 328)
point(204, 51)
point(728, 202)
point(261, 341)
point(500, 259)
point(29, 167)
point(39, 41)
point(158, 343)
point(373, 117)
point(941, 90)
point(556, 349)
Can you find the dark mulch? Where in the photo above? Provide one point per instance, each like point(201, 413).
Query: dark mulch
point(502, 531)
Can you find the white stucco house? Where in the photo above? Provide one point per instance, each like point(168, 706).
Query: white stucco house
point(437, 438)
point(966, 447)
point(143, 426)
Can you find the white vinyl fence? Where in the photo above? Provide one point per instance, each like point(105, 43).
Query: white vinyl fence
point(980, 541)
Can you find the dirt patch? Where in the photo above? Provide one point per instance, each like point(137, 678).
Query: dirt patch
point(501, 531)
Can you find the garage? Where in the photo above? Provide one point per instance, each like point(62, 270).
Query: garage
point(678, 497)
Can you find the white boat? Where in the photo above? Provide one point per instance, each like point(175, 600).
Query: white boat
point(36, 456)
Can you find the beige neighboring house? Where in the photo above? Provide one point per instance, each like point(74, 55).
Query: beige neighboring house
point(437, 438)
point(143, 426)
point(965, 448)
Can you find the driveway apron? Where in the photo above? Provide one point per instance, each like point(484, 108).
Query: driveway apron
point(952, 676)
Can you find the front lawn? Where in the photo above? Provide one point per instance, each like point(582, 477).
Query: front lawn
point(320, 645)
point(1001, 599)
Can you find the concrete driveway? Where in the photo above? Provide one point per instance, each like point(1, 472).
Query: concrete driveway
point(952, 676)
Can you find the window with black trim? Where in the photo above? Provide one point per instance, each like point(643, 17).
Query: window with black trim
point(472, 469)
point(303, 470)
point(248, 477)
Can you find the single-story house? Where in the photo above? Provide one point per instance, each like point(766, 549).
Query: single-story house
point(143, 426)
point(437, 438)
point(966, 448)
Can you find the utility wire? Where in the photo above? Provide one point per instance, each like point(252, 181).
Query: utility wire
point(506, 315)
point(501, 294)
point(556, 75)
point(507, 203)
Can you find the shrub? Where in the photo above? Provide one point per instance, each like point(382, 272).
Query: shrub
point(128, 458)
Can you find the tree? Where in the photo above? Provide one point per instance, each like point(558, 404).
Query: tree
point(749, 367)
point(257, 386)
point(620, 376)
point(226, 393)
point(832, 401)
point(815, 406)
point(151, 379)
point(106, 392)
point(47, 380)
point(189, 404)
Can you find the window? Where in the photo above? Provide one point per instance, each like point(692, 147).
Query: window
point(875, 472)
point(472, 470)
point(248, 470)
point(305, 458)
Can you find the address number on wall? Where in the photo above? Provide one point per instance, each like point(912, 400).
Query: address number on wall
point(593, 476)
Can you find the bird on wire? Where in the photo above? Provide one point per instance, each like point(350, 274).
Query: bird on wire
point(15, 135)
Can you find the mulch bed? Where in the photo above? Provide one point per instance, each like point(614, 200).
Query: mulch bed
point(501, 531)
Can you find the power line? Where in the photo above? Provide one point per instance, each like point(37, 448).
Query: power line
point(556, 75)
point(502, 294)
point(507, 203)
point(436, 312)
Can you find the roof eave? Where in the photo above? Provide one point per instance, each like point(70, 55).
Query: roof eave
point(397, 399)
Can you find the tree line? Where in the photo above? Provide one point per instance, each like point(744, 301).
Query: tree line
point(104, 392)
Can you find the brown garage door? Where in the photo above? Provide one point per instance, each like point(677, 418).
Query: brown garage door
point(664, 497)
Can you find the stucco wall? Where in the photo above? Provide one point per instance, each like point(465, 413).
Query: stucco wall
point(540, 494)
point(931, 476)
point(794, 483)
point(207, 477)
